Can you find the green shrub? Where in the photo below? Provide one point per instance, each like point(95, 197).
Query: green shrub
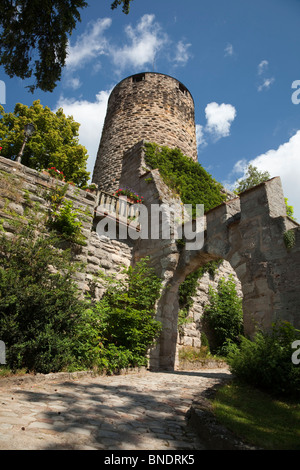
point(224, 316)
point(39, 303)
point(187, 177)
point(47, 326)
point(128, 327)
point(266, 362)
point(289, 238)
point(63, 218)
point(188, 289)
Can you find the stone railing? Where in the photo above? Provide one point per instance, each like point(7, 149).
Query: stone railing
point(122, 210)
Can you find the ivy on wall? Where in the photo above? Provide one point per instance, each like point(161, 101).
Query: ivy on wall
point(188, 178)
point(188, 289)
point(194, 185)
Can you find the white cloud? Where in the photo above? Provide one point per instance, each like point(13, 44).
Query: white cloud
point(266, 84)
point(219, 119)
point(90, 116)
point(228, 51)
point(137, 47)
point(284, 162)
point(73, 82)
point(182, 54)
point(262, 67)
point(89, 45)
point(200, 138)
point(240, 166)
point(145, 40)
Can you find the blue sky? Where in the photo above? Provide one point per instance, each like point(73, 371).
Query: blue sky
point(239, 59)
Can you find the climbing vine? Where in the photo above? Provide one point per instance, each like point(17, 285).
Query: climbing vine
point(289, 238)
point(188, 289)
point(188, 178)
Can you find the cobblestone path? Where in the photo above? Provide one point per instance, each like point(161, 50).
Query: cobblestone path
point(138, 411)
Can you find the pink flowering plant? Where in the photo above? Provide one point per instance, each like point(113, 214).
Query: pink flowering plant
point(130, 194)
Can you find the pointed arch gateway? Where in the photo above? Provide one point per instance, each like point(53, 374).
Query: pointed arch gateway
point(249, 232)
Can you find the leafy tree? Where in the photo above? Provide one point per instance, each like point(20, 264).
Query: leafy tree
point(289, 209)
point(127, 312)
point(253, 177)
point(126, 5)
point(34, 37)
point(224, 315)
point(54, 143)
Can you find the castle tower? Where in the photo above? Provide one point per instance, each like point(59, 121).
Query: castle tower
point(148, 106)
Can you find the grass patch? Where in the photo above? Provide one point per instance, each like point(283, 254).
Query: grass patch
point(190, 354)
point(7, 372)
point(199, 357)
point(258, 418)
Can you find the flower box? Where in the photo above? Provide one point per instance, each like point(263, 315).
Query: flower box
point(131, 196)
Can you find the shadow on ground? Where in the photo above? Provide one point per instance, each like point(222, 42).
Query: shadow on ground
point(118, 416)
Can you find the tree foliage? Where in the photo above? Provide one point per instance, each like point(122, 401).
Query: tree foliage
point(266, 361)
point(48, 326)
point(252, 178)
point(127, 309)
point(125, 3)
point(34, 37)
point(54, 143)
point(224, 315)
point(40, 307)
point(289, 209)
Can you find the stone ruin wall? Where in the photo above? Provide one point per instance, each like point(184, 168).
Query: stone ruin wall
point(247, 231)
point(101, 254)
point(190, 333)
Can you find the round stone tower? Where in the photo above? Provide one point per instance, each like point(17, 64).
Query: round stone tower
point(147, 106)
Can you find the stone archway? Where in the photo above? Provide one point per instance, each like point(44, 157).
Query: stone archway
point(248, 232)
point(194, 332)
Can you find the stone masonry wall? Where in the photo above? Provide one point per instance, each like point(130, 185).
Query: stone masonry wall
point(158, 109)
point(248, 232)
point(190, 333)
point(21, 186)
point(164, 257)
